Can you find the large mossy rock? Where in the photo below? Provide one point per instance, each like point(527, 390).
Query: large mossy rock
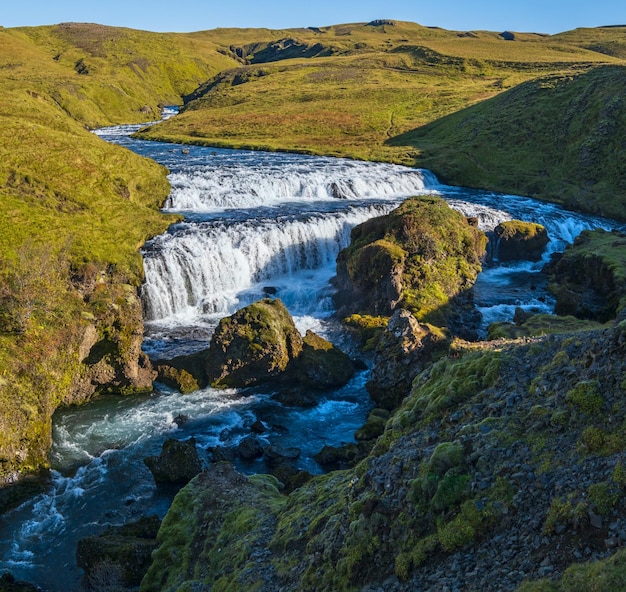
point(178, 462)
point(260, 343)
point(253, 345)
point(418, 257)
point(519, 240)
point(223, 522)
point(589, 278)
point(120, 557)
point(321, 365)
point(405, 348)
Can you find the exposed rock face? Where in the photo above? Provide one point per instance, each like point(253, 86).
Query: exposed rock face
point(589, 278)
point(110, 350)
point(98, 350)
point(405, 348)
point(321, 365)
point(520, 240)
point(418, 257)
point(178, 462)
point(254, 344)
point(260, 343)
point(120, 557)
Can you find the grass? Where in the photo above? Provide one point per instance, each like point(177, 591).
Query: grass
point(428, 97)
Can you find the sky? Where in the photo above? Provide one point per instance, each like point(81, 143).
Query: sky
point(540, 16)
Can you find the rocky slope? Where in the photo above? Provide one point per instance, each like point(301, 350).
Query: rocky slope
point(502, 463)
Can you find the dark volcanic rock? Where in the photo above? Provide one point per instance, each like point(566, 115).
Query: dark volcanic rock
point(250, 447)
point(404, 350)
point(520, 240)
point(119, 557)
point(8, 583)
point(178, 462)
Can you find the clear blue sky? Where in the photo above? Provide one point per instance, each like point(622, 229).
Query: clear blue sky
point(542, 16)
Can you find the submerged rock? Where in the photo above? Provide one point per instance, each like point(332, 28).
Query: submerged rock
point(178, 462)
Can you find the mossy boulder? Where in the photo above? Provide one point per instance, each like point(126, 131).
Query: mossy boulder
point(120, 556)
point(178, 462)
point(222, 521)
point(589, 278)
point(519, 240)
point(419, 257)
point(321, 365)
point(253, 345)
point(260, 343)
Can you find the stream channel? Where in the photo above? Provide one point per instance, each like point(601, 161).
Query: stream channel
point(253, 221)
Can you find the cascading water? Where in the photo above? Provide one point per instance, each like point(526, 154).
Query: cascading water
point(254, 223)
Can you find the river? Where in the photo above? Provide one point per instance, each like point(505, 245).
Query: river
point(253, 221)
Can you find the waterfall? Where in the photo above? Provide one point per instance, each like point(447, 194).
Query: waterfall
point(223, 183)
point(203, 268)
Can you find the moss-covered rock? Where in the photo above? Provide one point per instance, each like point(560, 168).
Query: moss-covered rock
point(253, 345)
point(520, 240)
point(187, 373)
point(216, 534)
point(260, 343)
point(418, 257)
point(122, 553)
point(589, 278)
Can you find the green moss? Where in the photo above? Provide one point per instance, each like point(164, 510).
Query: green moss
point(603, 497)
point(586, 398)
point(605, 575)
point(539, 325)
point(448, 383)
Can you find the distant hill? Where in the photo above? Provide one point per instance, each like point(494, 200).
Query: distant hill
point(401, 92)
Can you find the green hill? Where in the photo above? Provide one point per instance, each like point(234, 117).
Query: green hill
point(558, 138)
point(73, 212)
point(401, 92)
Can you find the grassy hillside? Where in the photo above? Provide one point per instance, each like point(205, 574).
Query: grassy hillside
point(74, 211)
point(385, 91)
point(102, 75)
point(557, 138)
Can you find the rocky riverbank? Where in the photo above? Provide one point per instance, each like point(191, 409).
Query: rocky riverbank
point(502, 463)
